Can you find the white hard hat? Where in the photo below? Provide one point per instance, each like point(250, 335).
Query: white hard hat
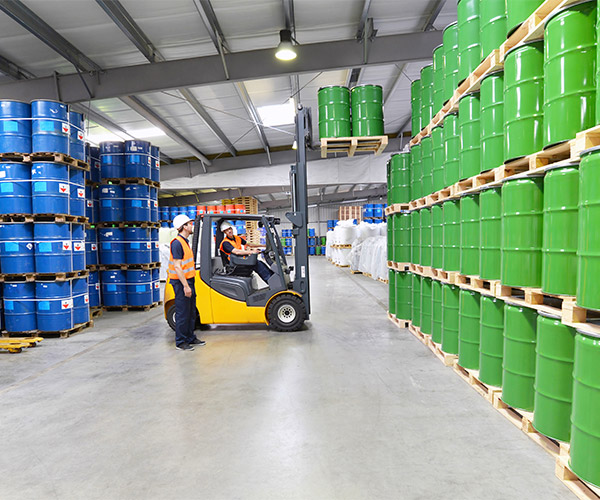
point(225, 226)
point(180, 220)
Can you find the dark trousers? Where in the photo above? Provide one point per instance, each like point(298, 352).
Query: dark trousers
point(263, 271)
point(185, 313)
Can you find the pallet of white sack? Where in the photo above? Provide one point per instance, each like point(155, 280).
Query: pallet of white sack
point(472, 378)
point(96, 312)
point(121, 224)
point(132, 308)
point(582, 489)
point(351, 145)
point(144, 181)
point(60, 158)
point(31, 277)
point(14, 345)
point(63, 334)
point(124, 267)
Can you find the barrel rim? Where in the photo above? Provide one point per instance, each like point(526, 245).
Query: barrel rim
point(549, 315)
point(489, 188)
point(450, 114)
point(441, 46)
point(16, 100)
point(455, 23)
point(584, 332)
point(333, 86)
point(589, 151)
point(470, 94)
point(50, 100)
point(495, 73)
point(562, 9)
point(524, 177)
point(425, 67)
point(439, 125)
point(366, 85)
point(521, 45)
point(514, 304)
point(558, 167)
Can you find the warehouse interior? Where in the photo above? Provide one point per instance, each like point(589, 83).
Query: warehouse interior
point(421, 179)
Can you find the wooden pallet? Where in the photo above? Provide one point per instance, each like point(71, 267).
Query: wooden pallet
point(582, 489)
point(353, 271)
point(397, 208)
point(59, 158)
point(31, 277)
point(341, 246)
point(400, 323)
point(125, 267)
point(386, 282)
point(477, 284)
point(352, 145)
point(122, 224)
point(25, 218)
point(96, 312)
point(446, 358)
point(472, 378)
point(67, 333)
point(132, 308)
point(143, 181)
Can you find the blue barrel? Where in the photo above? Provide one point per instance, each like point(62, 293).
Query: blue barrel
point(112, 160)
point(15, 188)
point(53, 247)
point(112, 247)
point(139, 287)
point(165, 224)
point(78, 235)
point(163, 213)
point(92, 205)
point(311, 250)
point(153, 205)
point(114, 290)
point(155, 285)
point(50, 188)
point(76, 136)
point(54, 305)
point(17, 248)
point(81, 301)
point(49, 127)
point(137, 159)
point(378, 210)
point(92, 156)
point(91, 246)
point(15, 135)
point(136, 203)
point(155, 245)
point(77, 198)
point(138, 245)
point(311, 232)
point(94, 288)
point(155, 158)
point(240, 227)
point(368, 211)
point(19, 307)
point(111, 203)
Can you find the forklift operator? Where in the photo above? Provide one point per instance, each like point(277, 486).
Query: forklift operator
point(235, 244)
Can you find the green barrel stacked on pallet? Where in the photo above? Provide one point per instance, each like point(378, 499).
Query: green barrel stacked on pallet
point(416, 300)
point(598, 67)
point(559, 257)
point(451, 235)
point(437, 236)
point(569, 72)
point(426, 165)
point(469, 45)
point(334, 111)
point(402, 238)
point(436, 312)
point(426, 95)
point(468, 329)
point(492, 121)
point(523, 100)
point(469, 234)
point(438, 79)
point(392, 291)
point(490, 208)
point(400, 177)
point(403, 295)
point(416, 172)
point(493, 25)
point(517, 11)
point(450, 41)
point(450, 318)
point(437, 138)
point(469, 128)
point(451, 149)
point(391, 233)
point(425, 237)
point(426, 306)
point(491, 347)
point(522, 226)
point(555, 351)
point(415, 106)
point(367, 110)
point(415, 224)
point(518, 374)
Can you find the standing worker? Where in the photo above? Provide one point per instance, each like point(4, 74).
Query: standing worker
point(182, 270)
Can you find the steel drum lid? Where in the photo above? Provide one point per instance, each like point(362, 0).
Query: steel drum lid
point(563, 165)
point(521, 45)
point(514, 304)
point(588, 334)
point(524, 175)
point(589, 151)
point(470, 94)
point(495, 73)
point(455, 23)
point(368, 85)
point(332, 87)
point(450, 114)
point(562, 9)
point(549, 315)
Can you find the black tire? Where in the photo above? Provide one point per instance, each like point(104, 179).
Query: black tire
point(171, 319)
point(286, 313)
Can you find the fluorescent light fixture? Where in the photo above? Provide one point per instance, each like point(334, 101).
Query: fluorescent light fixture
point(146, 133)
point(285, 49)
point(102, 136)
point(295, 145)
point(277, 114)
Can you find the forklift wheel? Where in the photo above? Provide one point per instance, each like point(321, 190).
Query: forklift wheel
point(171, 320)
point(286, 313)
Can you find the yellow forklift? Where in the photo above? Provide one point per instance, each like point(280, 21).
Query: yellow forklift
point(225, 290)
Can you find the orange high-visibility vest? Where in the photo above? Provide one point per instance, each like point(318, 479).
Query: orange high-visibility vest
point(237, 243)
point(187, 263)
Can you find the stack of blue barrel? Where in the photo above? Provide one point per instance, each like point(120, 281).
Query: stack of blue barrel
point(312, 241)
point(287, 241)
point(374, 213)
point(331, 223)
point(42, 213)
point(127, 233)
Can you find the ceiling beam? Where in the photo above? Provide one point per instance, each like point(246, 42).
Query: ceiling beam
point(208, 70)
point(360, 33)
point(329, 198)
point(209, 18)
point(9, 68)
point(434, 15)
point(175, 199)
point(254, 116)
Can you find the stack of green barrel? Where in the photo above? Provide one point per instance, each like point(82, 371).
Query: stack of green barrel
point(346, 113)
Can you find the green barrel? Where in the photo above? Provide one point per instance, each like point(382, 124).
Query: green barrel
point(555, 352)
point(492, 121)
point(469, 130)
point(392, 291)
point(415, 224)
point(522, 228)
point(415, 107)
point(517, 11)
point(491, 347)
point(468, 329)
point(438, 79)
point(403, 295)
point(450, 303)
point(437, 237)
point(402, 238)
point(437, 138)
point(469, 235)
point(400, 177)
point(426, 306)
point(570, 72)
point(451, 235)
point(451, 149)
point(598, 68)
point(391, 244)
point(436, 313)
point(585, 424)
point(427, 165)
point(426, 248)
point(588, 247)
point(415, 172)
point(469, 46)
point(559, 257)
point(518, 369)
point(450, 41)
point(523, 100)
point(493, 25)
point(367, 110)
point(490, 208)
point(426, 95)
point(416, 300)
point(390, 194)
point(334, 111)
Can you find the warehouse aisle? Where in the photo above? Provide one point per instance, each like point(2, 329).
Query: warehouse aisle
point(351, 408)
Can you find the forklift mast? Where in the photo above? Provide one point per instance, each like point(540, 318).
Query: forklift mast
point(299, 214)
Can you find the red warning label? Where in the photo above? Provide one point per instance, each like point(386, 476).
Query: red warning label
point(65, 128)
point(66, 245)
point(67, 304)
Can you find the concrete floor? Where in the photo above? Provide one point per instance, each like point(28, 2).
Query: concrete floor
point(350, 408)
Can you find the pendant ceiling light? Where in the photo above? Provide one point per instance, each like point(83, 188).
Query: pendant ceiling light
point(285, 49)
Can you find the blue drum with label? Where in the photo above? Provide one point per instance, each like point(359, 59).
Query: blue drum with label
point(15, 188)
point(50, 188)
point(15, 127)
point(138, 245)
point(81, 301)
point(94, 288)
point(92, 205)
point(78, 234)
point(54, 305)
point(155, 168)
point(154, 205)
point(53, 247)
point(155, 285)
point(76, 136)
point(139, 287)
point(136, 203)
point(137, 159)
point(112, 160)
point(111, 203)
point(91, 246)
point(19, 307)
point(77, 198)
point(154, 235)
point(49, 127)
point(112, 246)
point(114, 289)
point(17, 253)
